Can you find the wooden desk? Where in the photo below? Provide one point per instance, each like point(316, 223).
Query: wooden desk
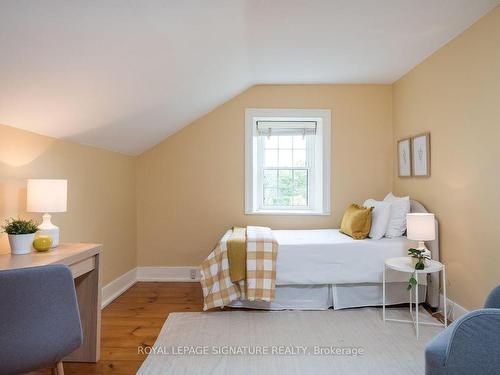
point(83, 260)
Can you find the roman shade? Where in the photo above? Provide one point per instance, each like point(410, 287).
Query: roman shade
point(268, 128)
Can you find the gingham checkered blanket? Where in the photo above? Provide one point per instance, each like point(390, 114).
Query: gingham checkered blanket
point(259, 285)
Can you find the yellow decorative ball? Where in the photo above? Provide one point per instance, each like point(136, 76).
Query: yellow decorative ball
point(42, 243)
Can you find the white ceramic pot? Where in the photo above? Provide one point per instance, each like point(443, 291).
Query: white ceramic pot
point(21, 243)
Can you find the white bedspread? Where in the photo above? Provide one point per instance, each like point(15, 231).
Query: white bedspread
point(326, 256)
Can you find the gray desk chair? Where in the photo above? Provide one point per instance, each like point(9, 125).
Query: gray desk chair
point(471, 345)
point(39, 319)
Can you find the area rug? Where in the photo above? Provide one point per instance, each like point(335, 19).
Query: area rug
point(354, 341)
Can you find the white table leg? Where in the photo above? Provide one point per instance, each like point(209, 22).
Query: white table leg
point(383, 294)
point(411, 303)
point(416, 302)
point(445, 299)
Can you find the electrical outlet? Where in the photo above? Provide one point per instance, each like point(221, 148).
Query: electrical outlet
point(193, 273)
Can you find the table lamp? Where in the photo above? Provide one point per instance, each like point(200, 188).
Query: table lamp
point(47, 196)
point(421, 227)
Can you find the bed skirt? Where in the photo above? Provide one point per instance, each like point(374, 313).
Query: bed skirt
point(322, 297)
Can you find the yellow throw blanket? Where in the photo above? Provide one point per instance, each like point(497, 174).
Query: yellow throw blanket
point(237, 254)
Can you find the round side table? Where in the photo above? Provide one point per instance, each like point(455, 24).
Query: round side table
point(404, 264)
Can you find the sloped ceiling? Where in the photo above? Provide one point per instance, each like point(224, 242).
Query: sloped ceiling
point(125, 74)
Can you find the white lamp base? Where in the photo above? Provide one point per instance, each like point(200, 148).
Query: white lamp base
point(421, 246)
point(49, 229)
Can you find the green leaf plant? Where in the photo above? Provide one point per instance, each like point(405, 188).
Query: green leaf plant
point(421, 257)
point(19, 226)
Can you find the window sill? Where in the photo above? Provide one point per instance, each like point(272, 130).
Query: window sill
point(288, 213)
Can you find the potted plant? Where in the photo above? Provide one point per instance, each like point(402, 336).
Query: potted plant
point(21, 234)
point(419, 260)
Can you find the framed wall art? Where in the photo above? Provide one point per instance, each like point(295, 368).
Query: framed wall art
point(404, 158)
point(421, 155)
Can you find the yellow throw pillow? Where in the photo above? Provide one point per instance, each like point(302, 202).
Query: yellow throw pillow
point(357, 221)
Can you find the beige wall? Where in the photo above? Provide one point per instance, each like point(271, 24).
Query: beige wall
point(455, 94)
point(190, 188)
point(101, 193)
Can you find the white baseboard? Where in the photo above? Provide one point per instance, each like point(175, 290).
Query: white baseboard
point(455, 311)
point(118, 286)
point(168, 274)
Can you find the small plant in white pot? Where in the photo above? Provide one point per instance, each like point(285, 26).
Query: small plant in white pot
point(21, 235)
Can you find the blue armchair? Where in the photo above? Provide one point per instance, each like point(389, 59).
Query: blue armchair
point(39, 319)
point(471, 345)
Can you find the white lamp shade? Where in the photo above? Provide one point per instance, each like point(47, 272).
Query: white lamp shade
point(47, 195)
point(420, 227)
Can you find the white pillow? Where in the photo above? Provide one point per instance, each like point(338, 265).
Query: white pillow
point(397, 222)
point(380, 217)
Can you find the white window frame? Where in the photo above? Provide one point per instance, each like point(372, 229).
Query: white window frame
point(319, 197)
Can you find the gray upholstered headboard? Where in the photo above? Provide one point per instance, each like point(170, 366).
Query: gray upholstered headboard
point(433, 246)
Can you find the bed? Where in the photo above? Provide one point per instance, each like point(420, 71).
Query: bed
point(319, 269)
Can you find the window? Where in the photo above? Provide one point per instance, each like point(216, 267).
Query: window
point(287, 161)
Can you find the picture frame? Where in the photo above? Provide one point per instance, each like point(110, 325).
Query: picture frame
point(404, 158)
point(421, 155)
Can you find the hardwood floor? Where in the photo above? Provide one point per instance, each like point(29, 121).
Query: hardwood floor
point(135, 319)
